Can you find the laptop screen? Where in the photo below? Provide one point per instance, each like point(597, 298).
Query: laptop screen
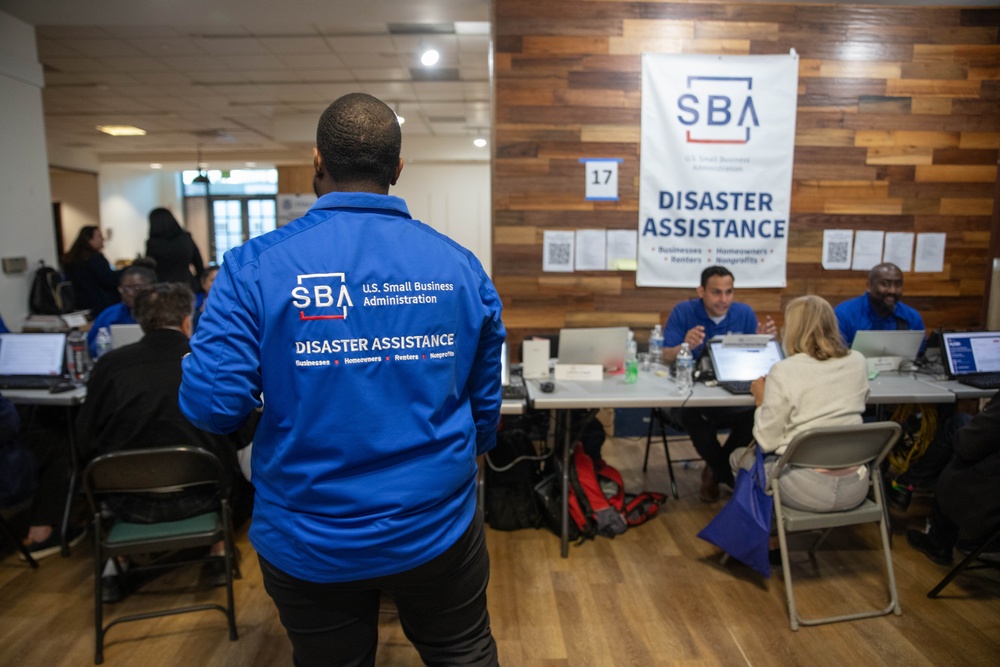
point(504, 365)
point(970, 352)
point(600, 345)
point(32, 354)
point(742, 363)
point(125, 334)
point(892, 343)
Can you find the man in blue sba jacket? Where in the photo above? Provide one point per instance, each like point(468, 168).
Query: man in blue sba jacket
point(373, 343)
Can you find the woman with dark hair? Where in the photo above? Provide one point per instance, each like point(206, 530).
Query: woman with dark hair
point(173, 249)
point(95, 283)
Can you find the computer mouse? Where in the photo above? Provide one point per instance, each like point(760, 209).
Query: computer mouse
point(60, 387)
point(547, 387)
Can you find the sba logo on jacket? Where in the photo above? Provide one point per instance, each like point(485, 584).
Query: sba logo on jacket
point(322, 296)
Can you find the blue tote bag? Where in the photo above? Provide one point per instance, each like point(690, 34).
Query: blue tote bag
point(742, 527)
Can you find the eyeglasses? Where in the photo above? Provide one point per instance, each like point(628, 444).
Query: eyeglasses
point(131, 289)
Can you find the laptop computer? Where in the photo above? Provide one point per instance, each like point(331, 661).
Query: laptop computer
point(737, 362)
point(973, 357)
point(125, 334)
point(32, 360)
point(511, 389)
point(600, 345)
point(893, 343)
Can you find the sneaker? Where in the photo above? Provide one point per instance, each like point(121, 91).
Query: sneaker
point(53, 544)
point(929, 547)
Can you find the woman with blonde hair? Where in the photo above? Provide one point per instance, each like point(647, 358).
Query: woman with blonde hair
point(819, 383)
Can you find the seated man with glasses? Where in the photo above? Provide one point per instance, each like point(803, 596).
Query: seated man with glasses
point(140, 275)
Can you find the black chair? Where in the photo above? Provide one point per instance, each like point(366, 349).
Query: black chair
point(971, 562)
point(662, 418)
point(153, 471)
point(5, 528)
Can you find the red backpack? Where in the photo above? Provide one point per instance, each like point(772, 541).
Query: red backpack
point(598, 504)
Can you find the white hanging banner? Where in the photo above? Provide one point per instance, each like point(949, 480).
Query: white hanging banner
point(715, 175)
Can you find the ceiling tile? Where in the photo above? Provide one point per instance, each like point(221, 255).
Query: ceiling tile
point(299, 44)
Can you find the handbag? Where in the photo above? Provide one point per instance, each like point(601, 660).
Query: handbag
point(742, 528)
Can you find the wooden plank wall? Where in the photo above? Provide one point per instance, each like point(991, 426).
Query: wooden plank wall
point(898, 130)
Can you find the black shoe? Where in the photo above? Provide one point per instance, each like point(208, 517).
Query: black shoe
point(929, 547)
point(112, 589)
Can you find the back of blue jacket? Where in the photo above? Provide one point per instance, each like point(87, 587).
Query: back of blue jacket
point(374, 343)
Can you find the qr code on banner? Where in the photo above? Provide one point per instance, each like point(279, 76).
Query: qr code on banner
point(560, 254)
point(837, 252)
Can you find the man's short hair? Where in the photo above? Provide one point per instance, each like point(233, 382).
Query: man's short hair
point(359, 139)
point(163, 305)
point(140, 269)
point(876, 270)
point(713, 271)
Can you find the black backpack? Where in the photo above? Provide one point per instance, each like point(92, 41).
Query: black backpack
point(512, 470)
point(50, 294)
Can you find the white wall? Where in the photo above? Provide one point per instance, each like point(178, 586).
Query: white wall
point(79, 204)
point(453, 199)
point(26, 226)
point(128, 194)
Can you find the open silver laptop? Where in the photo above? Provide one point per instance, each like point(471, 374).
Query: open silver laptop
point(125, 334)
point(31, 360)
point(601, 345)
point(893, 343)
point(738, 362)
point(973, 357)
point(511, 389)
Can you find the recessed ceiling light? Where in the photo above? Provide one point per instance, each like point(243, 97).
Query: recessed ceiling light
point(155, 165)
point(122, 130)
point(430, 57)
point(478, 142)
point(400, 119)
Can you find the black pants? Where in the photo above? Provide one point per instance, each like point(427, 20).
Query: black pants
point(703, 425)
point(442, 609)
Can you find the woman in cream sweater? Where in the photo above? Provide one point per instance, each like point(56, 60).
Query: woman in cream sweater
point(819, 383)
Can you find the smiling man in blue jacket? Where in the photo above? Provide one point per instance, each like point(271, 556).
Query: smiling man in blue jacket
point(373, 343)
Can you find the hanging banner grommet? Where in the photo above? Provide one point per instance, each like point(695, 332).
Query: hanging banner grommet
point(601, 178)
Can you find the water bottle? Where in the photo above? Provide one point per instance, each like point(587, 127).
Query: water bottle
point(631, 363)
point(77, 357)
point(685, 370)
point(103, 341)
point(656, 344)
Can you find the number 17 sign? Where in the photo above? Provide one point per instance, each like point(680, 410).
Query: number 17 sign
point(602, 178)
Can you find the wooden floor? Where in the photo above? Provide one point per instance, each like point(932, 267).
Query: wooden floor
point(656, 595)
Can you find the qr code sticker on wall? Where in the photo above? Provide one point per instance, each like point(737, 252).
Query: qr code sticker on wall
point(838, 252)
point(560, 254)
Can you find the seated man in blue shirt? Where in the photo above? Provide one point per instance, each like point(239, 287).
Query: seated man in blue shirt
point(880, 308)
point(136, 277)
point(713, 313)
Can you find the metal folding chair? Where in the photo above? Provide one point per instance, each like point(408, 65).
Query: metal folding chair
point(152, 471)
point(832, 448)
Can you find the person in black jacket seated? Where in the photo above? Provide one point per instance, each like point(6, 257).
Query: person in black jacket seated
point(967, 493)
point(132, 404)
point(95, 283)
point(173, 249)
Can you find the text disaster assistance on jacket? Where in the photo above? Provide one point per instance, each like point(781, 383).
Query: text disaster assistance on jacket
point(395, 295)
